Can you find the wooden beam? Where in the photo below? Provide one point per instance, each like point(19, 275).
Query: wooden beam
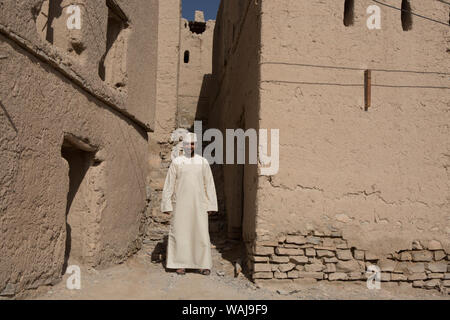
point(367, 89)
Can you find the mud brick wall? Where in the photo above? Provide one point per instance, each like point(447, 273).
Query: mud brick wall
point(330, 258)
point(180, 90)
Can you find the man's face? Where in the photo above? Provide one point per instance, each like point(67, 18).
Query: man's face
point(189, 148)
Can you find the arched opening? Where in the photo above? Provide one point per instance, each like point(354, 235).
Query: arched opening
point(349, 12)
point(186, 56)
point(406, 15)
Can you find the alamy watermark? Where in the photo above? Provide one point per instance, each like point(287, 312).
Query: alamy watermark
point(74, 20)
point(373, 22)
point(258, 150)
point(73, 282)
point(374, 277)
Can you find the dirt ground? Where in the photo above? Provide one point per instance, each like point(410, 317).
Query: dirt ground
point(140, 278)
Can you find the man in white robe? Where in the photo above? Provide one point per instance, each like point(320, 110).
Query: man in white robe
point(190, 182)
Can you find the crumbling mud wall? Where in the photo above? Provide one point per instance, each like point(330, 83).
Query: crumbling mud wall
point(378, 177)
point(234, 104)
point(160, 145)
point(381, 175)
point(184, 68)
point(195, 70)
point(74, 148)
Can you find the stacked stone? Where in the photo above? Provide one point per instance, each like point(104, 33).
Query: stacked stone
point(329, 257)
point(426, 266)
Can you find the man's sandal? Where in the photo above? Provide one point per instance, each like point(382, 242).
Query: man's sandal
point(181, 271)
point(205, 272)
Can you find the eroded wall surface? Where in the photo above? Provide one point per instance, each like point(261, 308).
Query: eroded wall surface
point(142, 57)
point(378, 178)
point(355, 187)
point(160, 144)
point(74, 148)
point(380, 175)
point(195, 73)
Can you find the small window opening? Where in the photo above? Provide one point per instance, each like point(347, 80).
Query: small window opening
point(406, 15)
point(186, 56)
point(349, 12)
point(197, 27)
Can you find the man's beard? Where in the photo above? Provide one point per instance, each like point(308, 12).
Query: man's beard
point(188, 151)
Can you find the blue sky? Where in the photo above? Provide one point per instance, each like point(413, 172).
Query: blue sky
point(209, 7)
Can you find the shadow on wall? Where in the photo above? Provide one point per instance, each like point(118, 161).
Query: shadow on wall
point(203, 107)
point(51, 24)
point(217, 223)
point(55, 11)
point(235, 105)
point(236, 184)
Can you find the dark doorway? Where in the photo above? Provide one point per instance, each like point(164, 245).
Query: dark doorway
point(79, 161)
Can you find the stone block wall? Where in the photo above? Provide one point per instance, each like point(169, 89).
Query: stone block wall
point(330, 257)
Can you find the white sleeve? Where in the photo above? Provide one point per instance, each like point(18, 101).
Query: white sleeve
point(210, 188)
point(169, 187)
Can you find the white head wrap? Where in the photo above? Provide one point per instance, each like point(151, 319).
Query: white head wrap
point(190, 138)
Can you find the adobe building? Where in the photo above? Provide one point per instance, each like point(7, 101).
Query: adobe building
point(87, 115)
point(183, 86)
point(195, 70)
point(77, 100)
point(364, 137)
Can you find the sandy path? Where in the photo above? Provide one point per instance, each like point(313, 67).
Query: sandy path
point(139, 278)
